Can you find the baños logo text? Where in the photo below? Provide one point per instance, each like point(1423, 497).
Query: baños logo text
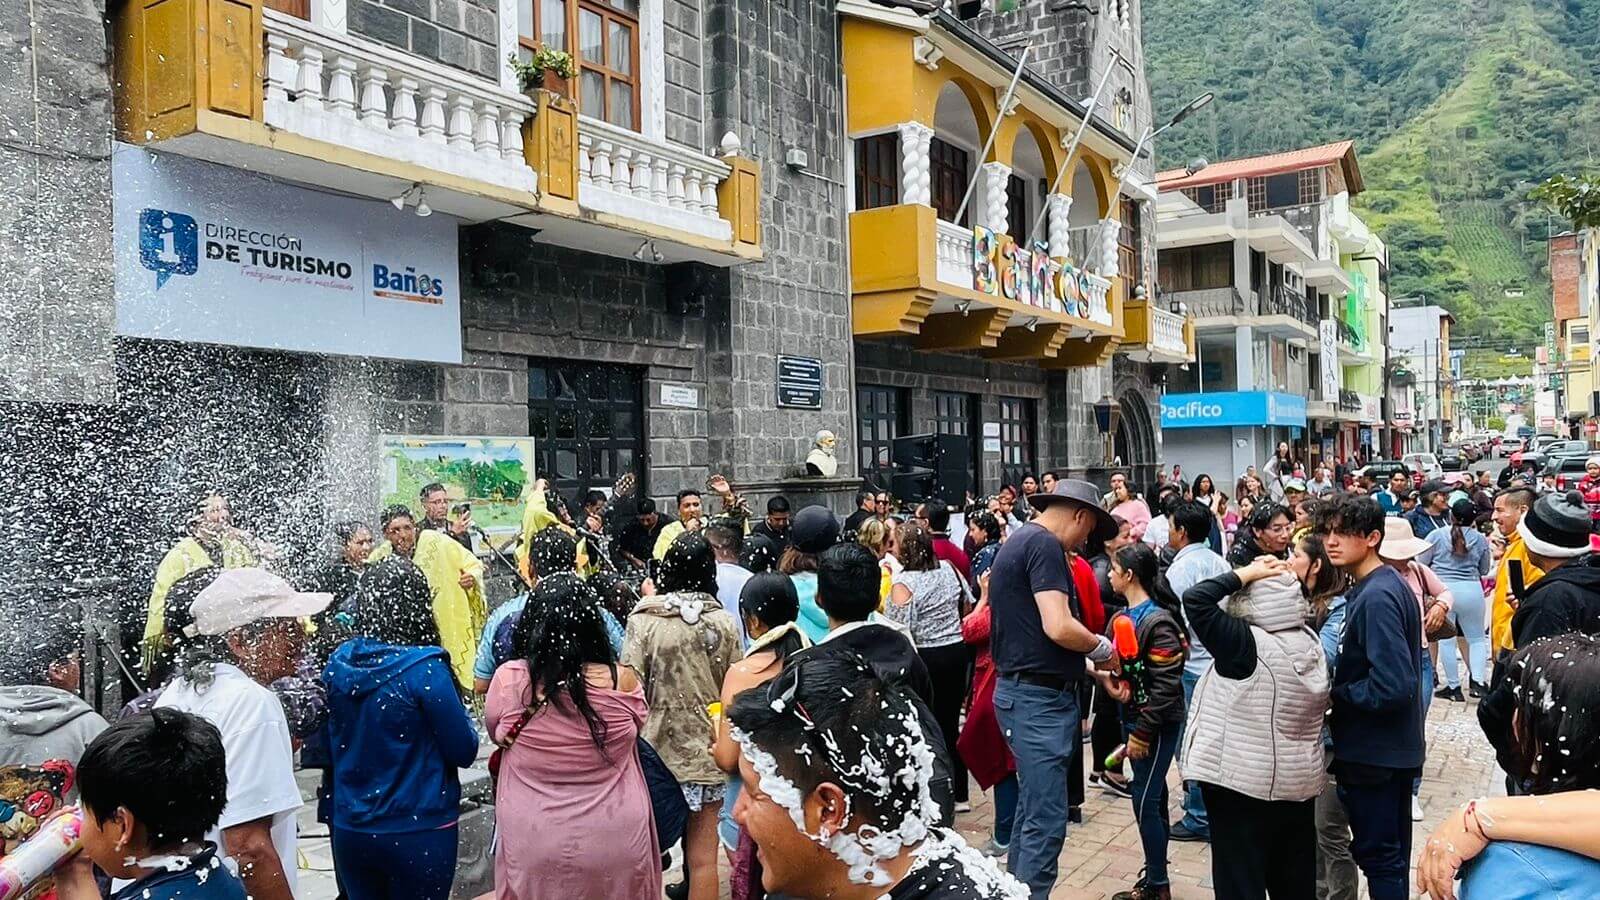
point(406, 284)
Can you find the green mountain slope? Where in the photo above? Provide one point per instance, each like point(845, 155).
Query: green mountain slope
point(1457, 106)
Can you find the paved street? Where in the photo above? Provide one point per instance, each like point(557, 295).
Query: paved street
point(1102, 855)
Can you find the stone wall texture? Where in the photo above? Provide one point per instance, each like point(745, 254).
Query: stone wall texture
point(459, 33)
point(55, 223)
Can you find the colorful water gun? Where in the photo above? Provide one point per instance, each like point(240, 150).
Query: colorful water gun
point(54, 844)
point(1126, 639)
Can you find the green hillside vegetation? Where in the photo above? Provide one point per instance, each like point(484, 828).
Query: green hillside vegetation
point(1458, 107)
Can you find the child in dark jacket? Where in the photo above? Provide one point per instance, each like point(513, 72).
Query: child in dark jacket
point(148, 784)
point(397, 733)
point(1150, 690)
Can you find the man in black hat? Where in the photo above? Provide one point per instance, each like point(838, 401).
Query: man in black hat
point(1039, 647)
point(1433, 509)
point(1555, 531)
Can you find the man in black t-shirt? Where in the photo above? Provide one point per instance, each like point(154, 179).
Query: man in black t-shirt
point(866, 508)
point(1039, 649)
point(802, 738)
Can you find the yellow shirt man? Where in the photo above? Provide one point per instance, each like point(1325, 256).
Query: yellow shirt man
point(1501, 609)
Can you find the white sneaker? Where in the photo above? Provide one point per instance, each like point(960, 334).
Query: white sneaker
point(963, 807)
point(1416, 810)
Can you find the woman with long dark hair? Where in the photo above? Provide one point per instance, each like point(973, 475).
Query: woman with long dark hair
point(768, 604)
point(929, 598)
point(398, 734)
point(1151, 693)
point(1545, 844)
point(572, 811)
point(1462, 559)
point(682, 642)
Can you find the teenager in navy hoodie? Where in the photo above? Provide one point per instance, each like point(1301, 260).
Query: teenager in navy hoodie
point(397, 733)
point(1378, 702)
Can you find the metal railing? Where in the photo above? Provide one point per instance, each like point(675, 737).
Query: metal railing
point(1282, 301)
point(1211, 302)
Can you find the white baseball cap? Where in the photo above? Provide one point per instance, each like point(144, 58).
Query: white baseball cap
point(240, 596)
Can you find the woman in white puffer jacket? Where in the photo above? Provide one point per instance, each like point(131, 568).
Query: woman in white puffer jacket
point(1253, 738)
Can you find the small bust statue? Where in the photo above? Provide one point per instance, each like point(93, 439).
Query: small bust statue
point(821, 461)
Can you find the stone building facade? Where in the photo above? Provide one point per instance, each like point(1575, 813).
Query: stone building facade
point(55, 177)
point(1073, 43)
point(681, 355)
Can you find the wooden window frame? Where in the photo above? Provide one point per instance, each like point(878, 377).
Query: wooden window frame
point(607, 14)
point(939, 165)
point(1017, 207)
point(956, 412)
point(1019, 440)
point(877, 171)
point(875, 454)
point(1130, 246)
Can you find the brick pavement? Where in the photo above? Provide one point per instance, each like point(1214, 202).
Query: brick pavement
point(1102, 855)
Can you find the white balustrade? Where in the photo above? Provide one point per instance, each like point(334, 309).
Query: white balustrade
point(1096, 290)
point(953, 254)
point(1166, 331)
point(351, 92)
point(624, 173)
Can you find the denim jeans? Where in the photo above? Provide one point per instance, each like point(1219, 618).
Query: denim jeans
point(1040, 725)
point(1427, 701)
point(1005, 808)
point(1380, 829)
point(1150, 802)
point(1467, 614)
point(1194, 805)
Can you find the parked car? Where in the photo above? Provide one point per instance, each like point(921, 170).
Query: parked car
point(1567, 469)
point(1474, 451)
point(1453, 459)
point(1426, 463)
point(1534, 460)
point(1510, 447)
point(1383, 469)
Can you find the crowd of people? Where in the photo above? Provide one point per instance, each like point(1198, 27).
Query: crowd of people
point(808, 702)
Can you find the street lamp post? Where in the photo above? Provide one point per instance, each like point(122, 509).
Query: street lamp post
point(1150, 134)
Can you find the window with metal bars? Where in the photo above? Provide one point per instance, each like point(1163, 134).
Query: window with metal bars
point(877, 171)
point(1255, 192)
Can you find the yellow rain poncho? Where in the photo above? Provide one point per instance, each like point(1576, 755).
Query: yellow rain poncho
point(536, 517)
point(459, 612)
point(186, 556)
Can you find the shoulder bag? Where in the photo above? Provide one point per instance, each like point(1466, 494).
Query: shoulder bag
point(1444, 632)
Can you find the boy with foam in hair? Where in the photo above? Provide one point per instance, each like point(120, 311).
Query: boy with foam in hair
point(836, 771)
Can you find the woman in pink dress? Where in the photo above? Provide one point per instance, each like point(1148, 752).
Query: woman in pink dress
point(572, 811)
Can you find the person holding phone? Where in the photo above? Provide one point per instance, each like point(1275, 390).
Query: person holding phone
point(438, 516)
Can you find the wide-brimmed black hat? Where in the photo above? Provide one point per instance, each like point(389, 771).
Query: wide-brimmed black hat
point(1079, 493)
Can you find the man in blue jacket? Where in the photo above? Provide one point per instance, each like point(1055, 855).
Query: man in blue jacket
point(1377, 721)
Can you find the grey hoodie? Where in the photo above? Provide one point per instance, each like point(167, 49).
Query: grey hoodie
point(39, 724)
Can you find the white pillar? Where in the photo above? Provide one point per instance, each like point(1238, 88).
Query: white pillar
point(1058, 227)
point(992, 180)
point(916, 185)
point(1110, 230)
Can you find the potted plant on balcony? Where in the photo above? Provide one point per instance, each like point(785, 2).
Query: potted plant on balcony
point(547, 68)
